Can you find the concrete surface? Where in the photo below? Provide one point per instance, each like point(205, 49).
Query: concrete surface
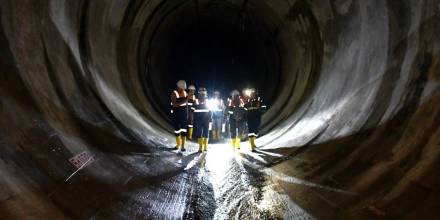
point(352, 131)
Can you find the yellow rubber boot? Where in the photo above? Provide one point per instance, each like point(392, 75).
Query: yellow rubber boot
point(219, 134)
point(200, 141)
point(252, 142)
point(190, 133)
point(233, 142)
point(205, 144)
point(183, 141)
point(237, 143)
point(177, 142)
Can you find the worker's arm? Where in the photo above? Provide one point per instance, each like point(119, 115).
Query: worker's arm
point(263, 107)
point(230, 110)
point(246, 106)
point(225, 113)
point(173, 99)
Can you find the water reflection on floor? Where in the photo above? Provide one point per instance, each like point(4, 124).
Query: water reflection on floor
point(221, 184)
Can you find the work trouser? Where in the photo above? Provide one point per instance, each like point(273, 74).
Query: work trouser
point(180, 121)
point(227, 128)
point(216, 124)
point(253, 123)
point(216, 127)
point(236, 127)
point(190, 127)
point(201, 127)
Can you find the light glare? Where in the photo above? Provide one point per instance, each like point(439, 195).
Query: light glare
point(213, 104)
point(248, 92)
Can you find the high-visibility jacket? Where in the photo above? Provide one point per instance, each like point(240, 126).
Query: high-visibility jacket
point(255, 107)
point(201, 111)
point(181, 97)
point(191, 100)
point(236, 109)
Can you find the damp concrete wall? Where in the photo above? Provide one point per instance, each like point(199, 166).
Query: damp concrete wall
point(357, 104)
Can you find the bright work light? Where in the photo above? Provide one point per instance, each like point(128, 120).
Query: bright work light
point(248, 92)
point(213, 104)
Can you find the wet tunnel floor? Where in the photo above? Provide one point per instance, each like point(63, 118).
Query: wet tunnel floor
point(166, 184)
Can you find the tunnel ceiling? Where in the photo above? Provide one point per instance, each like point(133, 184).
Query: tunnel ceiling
point(351, 133)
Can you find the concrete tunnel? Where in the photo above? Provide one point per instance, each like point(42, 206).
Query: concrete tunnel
point(352, 131)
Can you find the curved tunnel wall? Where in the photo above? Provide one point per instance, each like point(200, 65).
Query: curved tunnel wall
point(79, 71)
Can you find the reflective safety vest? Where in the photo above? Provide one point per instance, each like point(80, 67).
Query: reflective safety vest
point(232, 104)
point(254, 104)
point(201, 110)
point(180, 98)
point(236, 112)
point(191, 100)
point(255, 108)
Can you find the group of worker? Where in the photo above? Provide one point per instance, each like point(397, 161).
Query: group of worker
point(196, 115)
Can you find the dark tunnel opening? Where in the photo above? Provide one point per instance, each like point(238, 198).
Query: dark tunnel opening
point(222, 48)
point(230, 45)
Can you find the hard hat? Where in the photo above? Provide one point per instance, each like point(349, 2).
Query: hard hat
point(181, 84)
point(217, 93)
point(191, 87)
point(235, 93)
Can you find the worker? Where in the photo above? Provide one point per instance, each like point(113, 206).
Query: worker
point(179, 101)
point(225, 125)
point(217, 107)
point(191, 100)
point(202, 118)
point(246, 96)
point(237, 118)
point(254, 108)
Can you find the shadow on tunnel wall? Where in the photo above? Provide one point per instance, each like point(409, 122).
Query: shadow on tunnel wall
point(391, 167)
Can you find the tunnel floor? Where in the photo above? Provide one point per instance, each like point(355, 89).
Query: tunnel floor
point(222, 183)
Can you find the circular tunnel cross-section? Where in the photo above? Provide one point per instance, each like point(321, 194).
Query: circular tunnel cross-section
point(352, 129)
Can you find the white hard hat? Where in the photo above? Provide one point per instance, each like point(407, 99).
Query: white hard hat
point(181, 84)
point(216, 93)
point(235, 93)
point(191, 87)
